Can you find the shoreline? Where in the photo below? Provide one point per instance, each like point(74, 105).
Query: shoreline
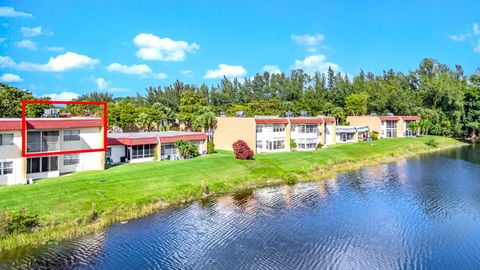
point(61, 232)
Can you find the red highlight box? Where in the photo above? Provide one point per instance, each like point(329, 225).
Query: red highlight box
point(52, 102)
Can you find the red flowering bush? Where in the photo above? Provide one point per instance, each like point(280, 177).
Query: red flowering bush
point(242, 151)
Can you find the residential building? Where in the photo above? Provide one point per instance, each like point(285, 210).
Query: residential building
point(143, 146)
point(348, 134)
point(273, 133)
point(46, 135)
point(389, 126)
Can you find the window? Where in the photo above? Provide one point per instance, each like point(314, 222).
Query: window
point(391, 129)
point(71, 159)
point(42, 141)
point(345, 137)
point(259, 128)
point(143, 151)
point(278, 128)
point(275, 145)
point(308, 129)
point(6, 168)
point(71, 135)
point(259, 144)
point(108, 153)
point(42, 164)
point(6, 139)
point(169, 152)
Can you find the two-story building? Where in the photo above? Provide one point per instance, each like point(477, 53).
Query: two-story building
point(273, 133)
point(388, 126)
point(47, 135)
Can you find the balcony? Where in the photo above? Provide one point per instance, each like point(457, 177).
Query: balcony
point(42, 141)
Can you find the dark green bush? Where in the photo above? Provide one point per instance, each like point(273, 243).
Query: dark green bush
point(17, 222)
point(210, 147)
point(374, 135)
point(432, 143)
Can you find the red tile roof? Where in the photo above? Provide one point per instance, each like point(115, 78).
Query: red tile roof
point(306, 120)
point(389, 118)
point(271, 120)
point(137, 138)
point(50, 123)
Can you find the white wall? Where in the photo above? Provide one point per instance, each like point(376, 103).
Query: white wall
point(328, 133)
point(12, 153)
point(268, 134)
point(118, 151)
point(304, 137)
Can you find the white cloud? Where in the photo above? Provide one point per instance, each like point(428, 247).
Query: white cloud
point(315, 63)
point(477, 47)
point(55, 49)
point(133, 69)
point(143, 70)
point(26, 44)
point(457, 37)
point(308, 40)
point(102, 84)
point(476, 29)
point(11, 12)
point(227, 71)
point(9, 77)
point(159, 76)
point(152, 47)
point(65, 96)
point(272, 69)
point(186, 72)
point(31, 31)
point(63, 62)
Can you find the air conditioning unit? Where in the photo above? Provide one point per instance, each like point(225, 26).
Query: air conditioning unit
point(389, 114)
point(288, 114)
point(240, 114)
point(373, 114)
point(303, 113)
point(51, 112)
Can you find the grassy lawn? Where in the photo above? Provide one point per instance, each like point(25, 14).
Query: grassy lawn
point(65, 204)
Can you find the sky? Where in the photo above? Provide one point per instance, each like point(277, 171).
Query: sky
point(62, 49)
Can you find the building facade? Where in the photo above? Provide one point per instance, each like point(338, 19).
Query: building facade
point(390, 126)
point(46, 135)
point(148, 146)
point(274, 134)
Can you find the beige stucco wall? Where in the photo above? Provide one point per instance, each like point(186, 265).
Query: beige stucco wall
point(373, 122)
point(231, 129)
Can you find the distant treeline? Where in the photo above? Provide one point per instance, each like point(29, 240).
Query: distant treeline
point(447, 98)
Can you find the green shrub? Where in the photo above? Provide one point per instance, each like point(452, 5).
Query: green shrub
point(291, 179)
point(374, 135)
point(17, 222)
point(210, 147)
point(319, 146)
point(293, 144)
point(187, 149)
point(432, 143)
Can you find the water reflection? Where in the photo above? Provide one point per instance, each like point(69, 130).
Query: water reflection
point(419, 213)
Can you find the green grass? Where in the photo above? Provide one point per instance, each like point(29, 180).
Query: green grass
point(66, 204)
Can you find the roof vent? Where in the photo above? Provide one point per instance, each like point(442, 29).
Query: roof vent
point(49, 113)
point(240, 114)
point(288, 114)
point(304, 113)
point(389, 114)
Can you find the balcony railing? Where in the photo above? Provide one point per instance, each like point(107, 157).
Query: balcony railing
point(43, 147)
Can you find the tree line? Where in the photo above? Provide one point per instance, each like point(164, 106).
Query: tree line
point(447, 98)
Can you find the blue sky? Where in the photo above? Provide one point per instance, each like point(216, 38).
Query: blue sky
point(65, 48)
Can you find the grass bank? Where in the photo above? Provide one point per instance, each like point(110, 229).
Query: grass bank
point(86, 202)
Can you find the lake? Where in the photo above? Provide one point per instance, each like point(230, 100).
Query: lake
point(419, 213)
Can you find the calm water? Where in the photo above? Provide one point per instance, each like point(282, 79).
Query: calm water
point(422, 213)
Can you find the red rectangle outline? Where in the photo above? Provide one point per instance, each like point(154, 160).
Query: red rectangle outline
point(24, 127)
